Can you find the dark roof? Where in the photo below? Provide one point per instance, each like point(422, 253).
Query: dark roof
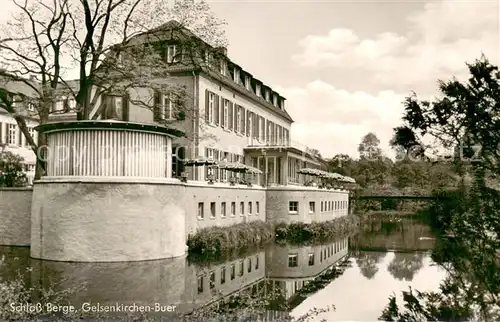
point(107, 124)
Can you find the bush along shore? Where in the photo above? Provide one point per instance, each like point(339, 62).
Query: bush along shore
point(316, 232)
point(213, 242)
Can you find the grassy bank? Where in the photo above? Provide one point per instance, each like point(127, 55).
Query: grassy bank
point(216, 242)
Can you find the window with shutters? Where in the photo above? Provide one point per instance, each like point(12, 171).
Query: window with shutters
point(12, 134)
point(211, 107)
point(225, 119)
point(269, 132)
point(167, 106)
point(249, 123)
point(242, 121)
point(262, 127)
point(237, 127)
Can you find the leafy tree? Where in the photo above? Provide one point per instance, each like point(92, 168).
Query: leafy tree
point(117, 46)
point(466, 119)
point(11, 170)
point(369, 147)
point(465, 116)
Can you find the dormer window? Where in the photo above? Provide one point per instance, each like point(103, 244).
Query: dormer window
point(247, 83)
point(267, 95)
point(236, 75)
point(172, 54)
point(59, 104)
point(257, 90)
point(223, 67)
point(275, 100)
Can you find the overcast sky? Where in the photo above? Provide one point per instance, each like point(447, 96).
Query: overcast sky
point(346, 66)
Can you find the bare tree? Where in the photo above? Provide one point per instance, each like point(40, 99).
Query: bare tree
point(115, 46)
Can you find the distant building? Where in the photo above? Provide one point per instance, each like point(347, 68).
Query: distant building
point(12, 139)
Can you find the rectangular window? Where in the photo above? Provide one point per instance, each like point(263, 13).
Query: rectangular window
point(201, 210)
point(223, 67)
point(242, 268)
point(31, 107)
point(247, 83)
point(211, 107)
point(200, 284)
point(311, 259)
point(12, 134)
point(167, 106)
point(249, 207)
point(237, 126)
point(225, 119)
point(223, 275)
point(257, 262)
point(212, 279)
point(172, 56)
point(249, 265)
point(59, 105)
point(212, 209)
point(223, 209)
point(233, 208)
point(293, 207)
point(236, 75)
point(262, 127)
point(312, 207)
point(233, 271)
point(293, 260)
point(257, 208)
point(242, 208)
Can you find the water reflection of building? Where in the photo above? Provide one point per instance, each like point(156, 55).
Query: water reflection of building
point(290, 268)
point(186, 285)
point(206, 285)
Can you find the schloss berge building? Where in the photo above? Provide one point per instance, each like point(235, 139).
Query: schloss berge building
point(225, 114)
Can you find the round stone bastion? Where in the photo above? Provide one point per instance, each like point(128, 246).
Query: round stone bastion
point(107, 194)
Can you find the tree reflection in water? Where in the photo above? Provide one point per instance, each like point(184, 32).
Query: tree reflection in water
point(404, 266)
point(368, 262)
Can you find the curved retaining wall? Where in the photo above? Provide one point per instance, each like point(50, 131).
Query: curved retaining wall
point(103, 220)
point(15, 216)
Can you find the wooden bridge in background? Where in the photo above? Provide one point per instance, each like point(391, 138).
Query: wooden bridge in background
point(397, 197)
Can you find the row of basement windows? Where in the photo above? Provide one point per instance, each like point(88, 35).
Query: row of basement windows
point(223, 210)
point(222, 112)
point(293, 259)
point(293, 206)
point(224, 272)
point(13, 134)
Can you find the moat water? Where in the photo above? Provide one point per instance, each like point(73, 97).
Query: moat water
point(356, 275)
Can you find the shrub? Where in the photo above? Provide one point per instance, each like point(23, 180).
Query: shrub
point(217, 240)
point(11, 170)
point(301, 233)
